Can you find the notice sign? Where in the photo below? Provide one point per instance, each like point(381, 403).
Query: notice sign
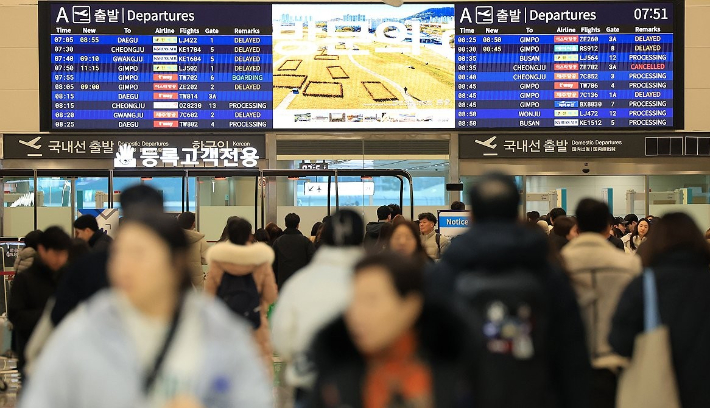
point(131, 151)
point(453, 223)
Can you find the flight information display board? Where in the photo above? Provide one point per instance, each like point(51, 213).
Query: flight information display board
point(231, 66)
point(160, 66)
point(578, 65)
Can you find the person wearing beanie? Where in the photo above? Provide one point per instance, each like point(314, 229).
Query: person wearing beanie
point(314, 296)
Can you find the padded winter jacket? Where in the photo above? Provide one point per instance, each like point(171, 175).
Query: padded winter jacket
point(241, 260)
point(24, 259)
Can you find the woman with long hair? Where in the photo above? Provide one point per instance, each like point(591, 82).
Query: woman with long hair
point(314, 231)
point(678, 256)
point(639, 236)
point(274, 232)
point(149, 341)
point(404, 239)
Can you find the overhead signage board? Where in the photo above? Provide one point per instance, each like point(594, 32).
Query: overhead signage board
point(257, 66)
point(346, 188)
point(520, 145)
point(131, 151)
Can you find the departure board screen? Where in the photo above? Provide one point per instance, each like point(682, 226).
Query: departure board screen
point(573, 65)
point(160, 66)
point(239, 66)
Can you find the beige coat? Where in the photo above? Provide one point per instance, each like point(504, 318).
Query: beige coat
point(429, 244)
point(599, 273)
point(196, 256)
point(253, 259)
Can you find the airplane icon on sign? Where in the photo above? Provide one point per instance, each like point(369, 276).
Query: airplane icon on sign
point(484, 15)
point(81, 14)
point(488, 143)
point(32, 143)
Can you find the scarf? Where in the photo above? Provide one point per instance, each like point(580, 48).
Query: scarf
point(397, 378)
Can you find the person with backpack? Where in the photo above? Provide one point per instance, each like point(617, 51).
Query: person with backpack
point(434, 243)
point(240, 274)
point(529, 342)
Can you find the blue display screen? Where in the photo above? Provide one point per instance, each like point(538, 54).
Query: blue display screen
point(572, 65)
point(226, 66)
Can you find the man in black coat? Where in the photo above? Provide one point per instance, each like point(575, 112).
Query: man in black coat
point(86, 228)
point(373, 229)
point(293, 250)
point(88, 275)
point(32, 288)
point(496, 243)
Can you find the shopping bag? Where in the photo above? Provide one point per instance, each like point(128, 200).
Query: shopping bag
point(649, 381)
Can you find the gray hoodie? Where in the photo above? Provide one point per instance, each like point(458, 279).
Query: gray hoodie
point(91, 361)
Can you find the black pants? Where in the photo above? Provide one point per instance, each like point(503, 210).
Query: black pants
point(604, 384)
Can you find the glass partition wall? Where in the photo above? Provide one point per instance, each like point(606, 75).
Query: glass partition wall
point(308, 196)
point(39, 199)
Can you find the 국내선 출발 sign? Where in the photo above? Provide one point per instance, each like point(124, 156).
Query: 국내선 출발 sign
point(229, 151)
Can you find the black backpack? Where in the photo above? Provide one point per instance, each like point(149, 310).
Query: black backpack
point(508, 315)
point(240, 295)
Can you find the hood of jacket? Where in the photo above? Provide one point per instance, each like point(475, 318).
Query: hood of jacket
point(441, 336)
point(27, 252)
point(342, 257)
point(498, 245)
point(193, 236)
point(240, 259)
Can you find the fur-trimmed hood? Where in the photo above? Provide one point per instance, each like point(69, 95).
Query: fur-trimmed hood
point(242, 255)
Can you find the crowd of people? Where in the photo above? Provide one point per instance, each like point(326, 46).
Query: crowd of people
point(536, 313)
